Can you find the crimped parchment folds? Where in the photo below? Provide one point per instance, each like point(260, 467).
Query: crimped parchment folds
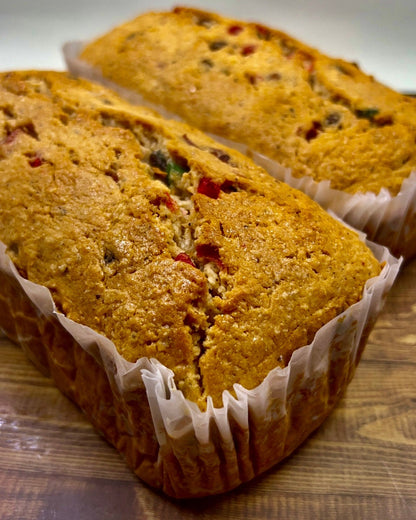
point(166, 439)
point(387, 220)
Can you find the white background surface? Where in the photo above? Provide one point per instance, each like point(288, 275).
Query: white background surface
point(378, 34)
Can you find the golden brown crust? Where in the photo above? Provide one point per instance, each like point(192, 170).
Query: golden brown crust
point(321, 117)
point(169, 244)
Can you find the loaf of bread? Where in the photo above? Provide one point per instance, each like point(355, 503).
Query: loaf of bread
point(172, 247)
point(322, 118)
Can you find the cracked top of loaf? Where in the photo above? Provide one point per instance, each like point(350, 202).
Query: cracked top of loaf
point(169, 244)
point(319, 116)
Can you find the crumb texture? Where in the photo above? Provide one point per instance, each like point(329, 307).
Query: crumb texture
point(319, 116)
point(169, 244)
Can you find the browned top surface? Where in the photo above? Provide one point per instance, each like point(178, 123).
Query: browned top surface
point(360, 464)
point(84, 212)
point(319, 116)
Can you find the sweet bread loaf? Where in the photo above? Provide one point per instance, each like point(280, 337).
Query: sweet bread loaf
point(156, 242)
point(322, 118)
point(186, 252)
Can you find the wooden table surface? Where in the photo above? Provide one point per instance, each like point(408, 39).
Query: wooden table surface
point(361, 464)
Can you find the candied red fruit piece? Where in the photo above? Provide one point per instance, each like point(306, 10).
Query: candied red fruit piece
point(35, 162)
point(248, 49)
point(235, 29)
point(313, 132)
point(209, 252)
point(209, 188)
point(183, 257)
point(171, 204)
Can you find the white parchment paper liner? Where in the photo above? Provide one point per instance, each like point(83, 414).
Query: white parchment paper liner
point(197, 453)
point(386, 219)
